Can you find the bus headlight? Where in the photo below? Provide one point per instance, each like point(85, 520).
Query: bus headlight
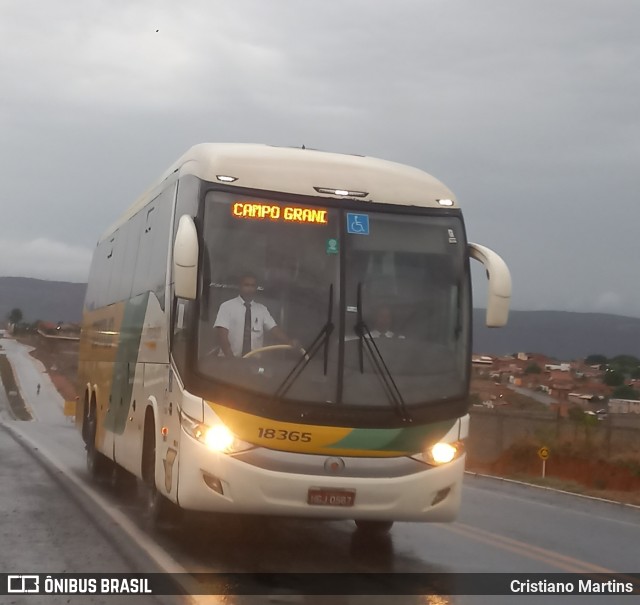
point(217, 438)
point(441, 453)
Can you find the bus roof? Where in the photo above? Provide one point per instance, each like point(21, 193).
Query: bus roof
point(300, 171)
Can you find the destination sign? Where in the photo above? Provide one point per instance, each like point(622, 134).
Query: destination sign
point(273, 212)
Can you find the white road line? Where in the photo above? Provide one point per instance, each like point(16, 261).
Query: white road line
point(160, 557)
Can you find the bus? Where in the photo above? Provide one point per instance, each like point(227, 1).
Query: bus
point(347, 420)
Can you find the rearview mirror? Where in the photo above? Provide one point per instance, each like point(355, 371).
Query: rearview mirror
point(185, 259)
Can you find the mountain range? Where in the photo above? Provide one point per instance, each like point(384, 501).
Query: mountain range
point(40, 299)
point(560, 334)
point(564, 335)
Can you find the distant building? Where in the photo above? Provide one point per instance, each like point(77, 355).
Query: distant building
point(624, 406)
point(587, 400)
point(485, 360)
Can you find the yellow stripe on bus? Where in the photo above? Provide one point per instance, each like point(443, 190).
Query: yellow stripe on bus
point(291, 437)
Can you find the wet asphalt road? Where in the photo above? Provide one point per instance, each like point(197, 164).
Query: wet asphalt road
point(503, 527)
point(45, 530)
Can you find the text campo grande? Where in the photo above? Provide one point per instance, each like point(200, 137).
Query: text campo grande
point(96, 586)
point(581, 587)
point(254, 210)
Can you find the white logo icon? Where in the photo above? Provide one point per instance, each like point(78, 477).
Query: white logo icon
point(23, 584)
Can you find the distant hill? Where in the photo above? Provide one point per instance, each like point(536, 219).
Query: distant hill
point(40, 299)
point(561, 334)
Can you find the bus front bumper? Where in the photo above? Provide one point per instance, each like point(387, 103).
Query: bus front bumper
point(220, 483)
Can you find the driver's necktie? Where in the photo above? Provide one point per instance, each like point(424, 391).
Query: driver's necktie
point(246, 336)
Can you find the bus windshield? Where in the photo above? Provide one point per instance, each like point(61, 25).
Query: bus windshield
point(350, 289)
point(407, 285)
point(290, 250)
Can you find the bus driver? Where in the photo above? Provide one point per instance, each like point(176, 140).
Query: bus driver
point(382, 324)
point(242, 322)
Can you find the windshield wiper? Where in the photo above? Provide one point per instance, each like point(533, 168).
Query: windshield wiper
point(310, 352)
point(379, 364)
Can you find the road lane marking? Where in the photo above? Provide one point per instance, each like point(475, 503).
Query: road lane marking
point(564, 562)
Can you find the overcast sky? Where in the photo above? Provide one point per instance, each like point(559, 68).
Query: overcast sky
point(528, 110)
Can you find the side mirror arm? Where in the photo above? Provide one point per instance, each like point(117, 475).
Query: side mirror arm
point(499, 296)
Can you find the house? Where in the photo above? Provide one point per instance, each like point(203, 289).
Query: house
point(624, 406)
point(481, 365)
point(558, 367)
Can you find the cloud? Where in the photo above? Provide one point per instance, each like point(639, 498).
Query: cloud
point(526, 110)
point(110, 60)
point(44, 259)
point(609, 302)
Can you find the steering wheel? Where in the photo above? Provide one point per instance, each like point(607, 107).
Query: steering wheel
point(273, 348)
point(215, 351)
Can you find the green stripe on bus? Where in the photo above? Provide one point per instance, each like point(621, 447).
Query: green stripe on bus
point(125, 364)
point(410, 439)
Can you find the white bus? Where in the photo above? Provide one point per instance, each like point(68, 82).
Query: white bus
point(361, 421)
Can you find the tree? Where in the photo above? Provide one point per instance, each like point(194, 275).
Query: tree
point(594, 360)
point(613, 378)
point(626, 392)
point(15, 316)
point(626, 360)
point(626, 364)
point(533, 368)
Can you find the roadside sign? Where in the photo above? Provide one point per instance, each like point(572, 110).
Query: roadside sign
point(543, 454)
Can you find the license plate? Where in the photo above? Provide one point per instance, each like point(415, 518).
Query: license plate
point(319, 496)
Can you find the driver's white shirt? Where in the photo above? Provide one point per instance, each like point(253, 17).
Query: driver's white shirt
point(231, 316)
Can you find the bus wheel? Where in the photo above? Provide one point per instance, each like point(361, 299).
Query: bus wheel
point(159, 511)
point(373, 527)
point(85, 419)
point(98, 465)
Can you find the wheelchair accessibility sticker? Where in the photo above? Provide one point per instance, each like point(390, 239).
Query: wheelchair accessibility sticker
point(358, 223)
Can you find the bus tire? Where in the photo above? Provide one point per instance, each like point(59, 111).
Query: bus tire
point(85, 418)
point(159, 511)
point(98, 465)
point(373, 527)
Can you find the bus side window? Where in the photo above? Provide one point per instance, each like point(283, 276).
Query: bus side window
point(141, 281)
point(153, 246)
point(182, 313)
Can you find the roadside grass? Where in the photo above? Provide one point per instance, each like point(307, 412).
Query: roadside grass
point(17, 404)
